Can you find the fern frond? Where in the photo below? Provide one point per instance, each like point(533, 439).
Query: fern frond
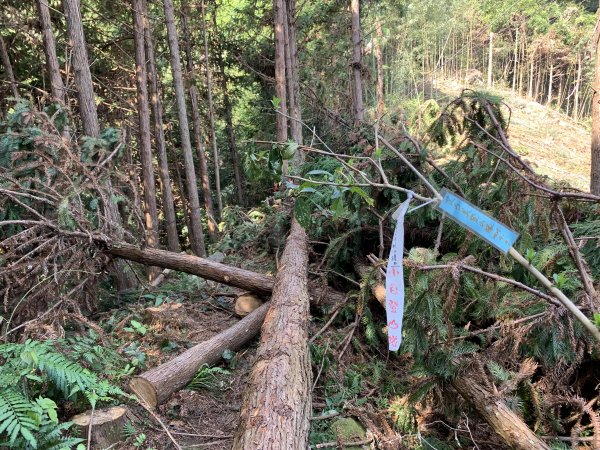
point(15, 417)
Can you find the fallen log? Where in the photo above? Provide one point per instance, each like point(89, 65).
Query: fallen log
point(505, 422)
point(215, 271)
point(276, 409)
point(156, 385)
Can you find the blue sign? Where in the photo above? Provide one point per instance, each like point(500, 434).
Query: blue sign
point(471, 217)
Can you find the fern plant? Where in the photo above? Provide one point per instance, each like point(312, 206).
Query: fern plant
point(32, 374)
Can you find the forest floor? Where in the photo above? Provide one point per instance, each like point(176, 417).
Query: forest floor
point(556, 145)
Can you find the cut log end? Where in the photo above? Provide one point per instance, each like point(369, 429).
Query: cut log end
point(246, 303)
point(145, 391)
point(107, 425)
point(379, 293)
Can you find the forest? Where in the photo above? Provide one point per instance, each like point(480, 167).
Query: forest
point(292, 224)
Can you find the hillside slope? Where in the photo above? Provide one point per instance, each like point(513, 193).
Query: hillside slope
point(554, 144)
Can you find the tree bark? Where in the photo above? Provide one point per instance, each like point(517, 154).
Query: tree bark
point(81, 68)
point(595, 169)
point(149, 184)
point(8, 68)
point(197, 129)
point(379, 62)
point(280, 70)
point(490, 79)
point(550, 83)
point(211, 113)
point(277, 404)
point(577, 87)
point(515, 60)
point(530, 88)
point(57, 86)
point(359, 108)
point(235, 159)
point(91, 126)
point(156, 385)
point(168, 202)
point(505, 422)
point(293, 81)
point(190, 174)
point(214, 271)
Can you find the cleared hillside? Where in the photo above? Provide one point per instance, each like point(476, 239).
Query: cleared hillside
point(554, 144)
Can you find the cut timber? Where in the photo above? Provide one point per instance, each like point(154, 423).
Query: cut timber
point(378, 290)
point(500, 417)
point(156, 385)
point(211, 270)
point(277, 403)
point(107, 427)
point(246, 303)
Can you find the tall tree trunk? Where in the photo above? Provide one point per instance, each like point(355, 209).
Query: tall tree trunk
point(168, 202)
point(577, 88)
point(211, 113)
point(184, 202)
point(57, 86)
point(522, 66)
point(516, 60)
point(550, 83)
point(197, 128)
point(8, 68)
point(490, 79)
point(293, 80)
point(124, 278)
point(277, 404)
point(359, 108)
point(530, 87)
point(595, 170)
point(235, 159)
point(379, 61)
point(145, 146)
point(81, 68)
point(186, 145)
point(280, 70)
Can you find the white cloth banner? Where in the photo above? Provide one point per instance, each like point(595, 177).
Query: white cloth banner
point(394, 280)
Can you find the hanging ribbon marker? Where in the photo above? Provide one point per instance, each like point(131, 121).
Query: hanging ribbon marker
point(394, 280)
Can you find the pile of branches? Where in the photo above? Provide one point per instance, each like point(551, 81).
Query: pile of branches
point(56, 198)
point(472, 313)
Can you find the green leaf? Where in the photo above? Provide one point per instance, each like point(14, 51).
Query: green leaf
point(361, 192)
point(289, 150)
point(302, 211)
point(276, 102)
point(228, 355)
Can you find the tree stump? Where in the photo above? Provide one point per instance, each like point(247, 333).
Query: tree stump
point(107, 426)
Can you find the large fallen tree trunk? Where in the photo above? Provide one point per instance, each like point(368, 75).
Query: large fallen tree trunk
point(498, 415)
point(158, 384)
point(277, 404)
point(211, 270)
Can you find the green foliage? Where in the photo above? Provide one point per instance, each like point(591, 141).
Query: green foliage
point(32, 374)
point(210, 379)
point(136, 327)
